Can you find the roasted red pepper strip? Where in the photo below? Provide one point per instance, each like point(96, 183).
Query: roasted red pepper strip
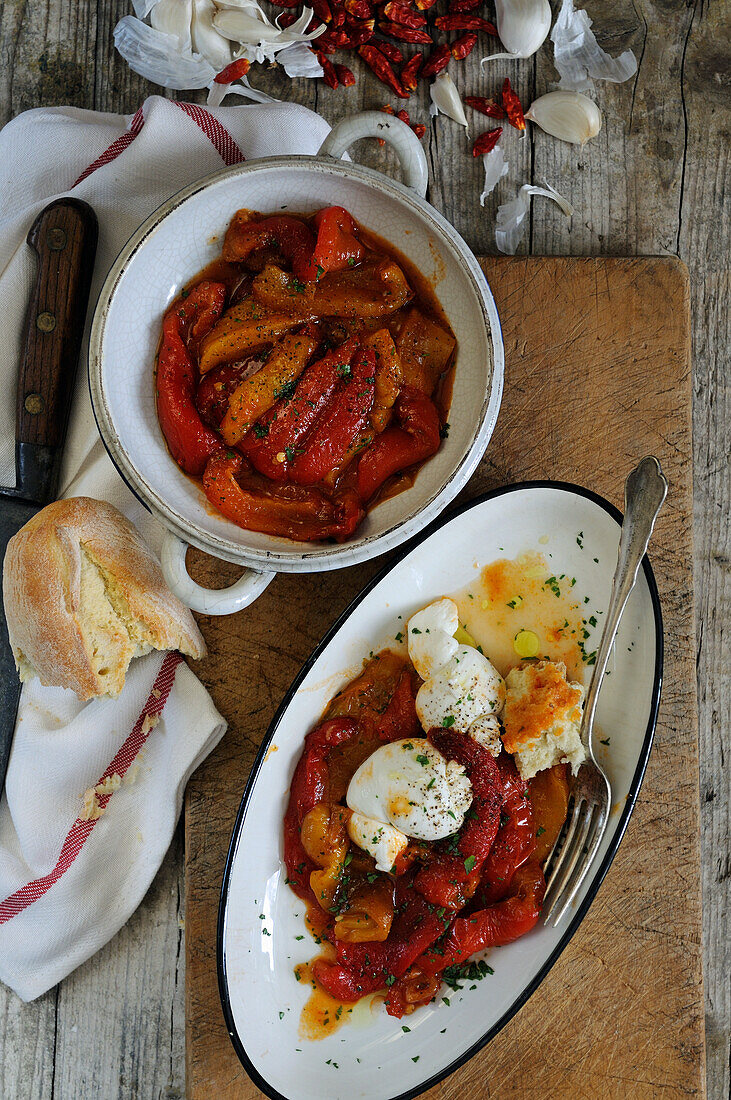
point(399, 719)
point(453, 875)
point(512, 106)
point(485, 106)
point(290, 512)
point(290, 235)
point(516, 838)
point(341, 424)
point(191, 443)
point(415, 439)
point(493, 926)
point(272, 442)
point(232, 72)
point(310, 786)
point(215, 389)
point(363, 968)
point(486, 141)
point(337, 245)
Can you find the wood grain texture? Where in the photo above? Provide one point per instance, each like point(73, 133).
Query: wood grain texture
point(615, 382)
point(658, 186)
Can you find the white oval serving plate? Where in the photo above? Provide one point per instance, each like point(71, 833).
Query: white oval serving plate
point(260, 918)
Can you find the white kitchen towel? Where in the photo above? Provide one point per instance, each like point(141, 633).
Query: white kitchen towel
point(69, 877)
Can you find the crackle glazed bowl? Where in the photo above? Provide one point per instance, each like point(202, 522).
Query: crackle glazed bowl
point(181, 238)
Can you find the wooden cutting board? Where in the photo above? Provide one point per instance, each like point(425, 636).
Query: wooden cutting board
point(597, 374)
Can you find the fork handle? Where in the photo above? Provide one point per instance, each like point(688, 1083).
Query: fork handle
point(644, 493)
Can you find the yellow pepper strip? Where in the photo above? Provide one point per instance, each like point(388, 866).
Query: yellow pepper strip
point(245, 327)
point(370, 290)
point(325, 839)
point(255, 395)
point(388, 377)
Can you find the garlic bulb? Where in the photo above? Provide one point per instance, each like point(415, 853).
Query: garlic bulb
point(569, 116)
point(445, 99)
point(522, 26)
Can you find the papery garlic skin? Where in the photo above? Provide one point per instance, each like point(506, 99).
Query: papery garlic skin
point(495, 168)
point(512, 217)
point(522, 26)
point(578, 57)
point(445, 99)
point(568, 116)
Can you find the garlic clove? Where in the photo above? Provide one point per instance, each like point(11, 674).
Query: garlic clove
point(173, 17)
point(522, 26)
point(445, 99)
point(569, 116)
point(206, 39)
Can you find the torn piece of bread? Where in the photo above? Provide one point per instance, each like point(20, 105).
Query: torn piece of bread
point(83, 595)
point(542, 717)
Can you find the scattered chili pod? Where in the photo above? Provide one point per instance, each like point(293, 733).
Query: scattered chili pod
point(512, 106)
point(406, 34)
point(463, 46)
point(485, 106)
point(487, 141)
point(402, 13)
point(325, 42)
point(345, 75)
point(379, 64)
point(328, 70)
point(286, 3)
point(393, 53)
point(456, 6)
point(359, 9)
point(424, 5)
point(410, 72)
point(338, 13)
point(360, 35)
point(465, 23)
point(287, 18)
point(353, 26)
point(438, 60)
point(232, 72)
point(419, 129)
point(321, 11)
point(404, 116)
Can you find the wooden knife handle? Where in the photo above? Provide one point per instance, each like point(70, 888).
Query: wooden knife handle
point(64, 237)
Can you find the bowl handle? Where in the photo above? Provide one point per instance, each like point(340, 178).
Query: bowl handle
point(379, 125)
point(208, 601)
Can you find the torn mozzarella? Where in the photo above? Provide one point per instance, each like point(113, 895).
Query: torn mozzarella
point(430, 636)
point(461, 691)
point(381, 841)
point(485, 730)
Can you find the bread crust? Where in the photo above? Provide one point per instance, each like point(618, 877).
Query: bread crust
point(83, 595)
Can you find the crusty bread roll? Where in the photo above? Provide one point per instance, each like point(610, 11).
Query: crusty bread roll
point(83, 595)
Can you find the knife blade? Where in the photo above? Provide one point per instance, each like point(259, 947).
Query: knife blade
point(64, 237)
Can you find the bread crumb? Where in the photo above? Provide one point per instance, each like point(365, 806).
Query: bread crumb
point(131, 774)
point(91, 809)
point(149, 722)
point(109, 785)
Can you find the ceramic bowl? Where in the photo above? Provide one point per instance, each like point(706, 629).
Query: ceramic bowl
point(261, 925)
point(184, 235)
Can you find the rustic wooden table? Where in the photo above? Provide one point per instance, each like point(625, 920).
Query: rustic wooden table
point(652, 183)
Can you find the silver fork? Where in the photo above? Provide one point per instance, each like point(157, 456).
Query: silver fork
point(577, 845)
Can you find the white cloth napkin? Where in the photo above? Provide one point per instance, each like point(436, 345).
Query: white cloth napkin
point(67, 883)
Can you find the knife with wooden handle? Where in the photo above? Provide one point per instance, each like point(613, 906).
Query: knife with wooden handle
point(64, 237)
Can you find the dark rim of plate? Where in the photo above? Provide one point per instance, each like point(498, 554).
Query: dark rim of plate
point(601, 871)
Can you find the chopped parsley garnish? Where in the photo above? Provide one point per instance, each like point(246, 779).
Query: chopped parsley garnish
point(448, 721)
point(471, 971)
point(469, 863)
point(423, 760)
point(540, 831)
point(261, 430)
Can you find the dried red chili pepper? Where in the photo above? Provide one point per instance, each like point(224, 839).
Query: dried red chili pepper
point(485, 106)
point(287, 18)
point(359, 9)
point(512, 106)
point(406, 34)
point(457, 6)
point(355, 26)
point(403, 14)
point(232, 72)
point(345, 75)
point(328, 70)
point(404, 116)
point(424, 5)
point(410, 72)
point(465, 23)
point(419, 129)
point(325, 43)
point(286, 3)
point(381, 66)
point(487, 141)
point(463, 46)
point(389, 50)
point(321, 10)
point(338, 13)
point(437, 61)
